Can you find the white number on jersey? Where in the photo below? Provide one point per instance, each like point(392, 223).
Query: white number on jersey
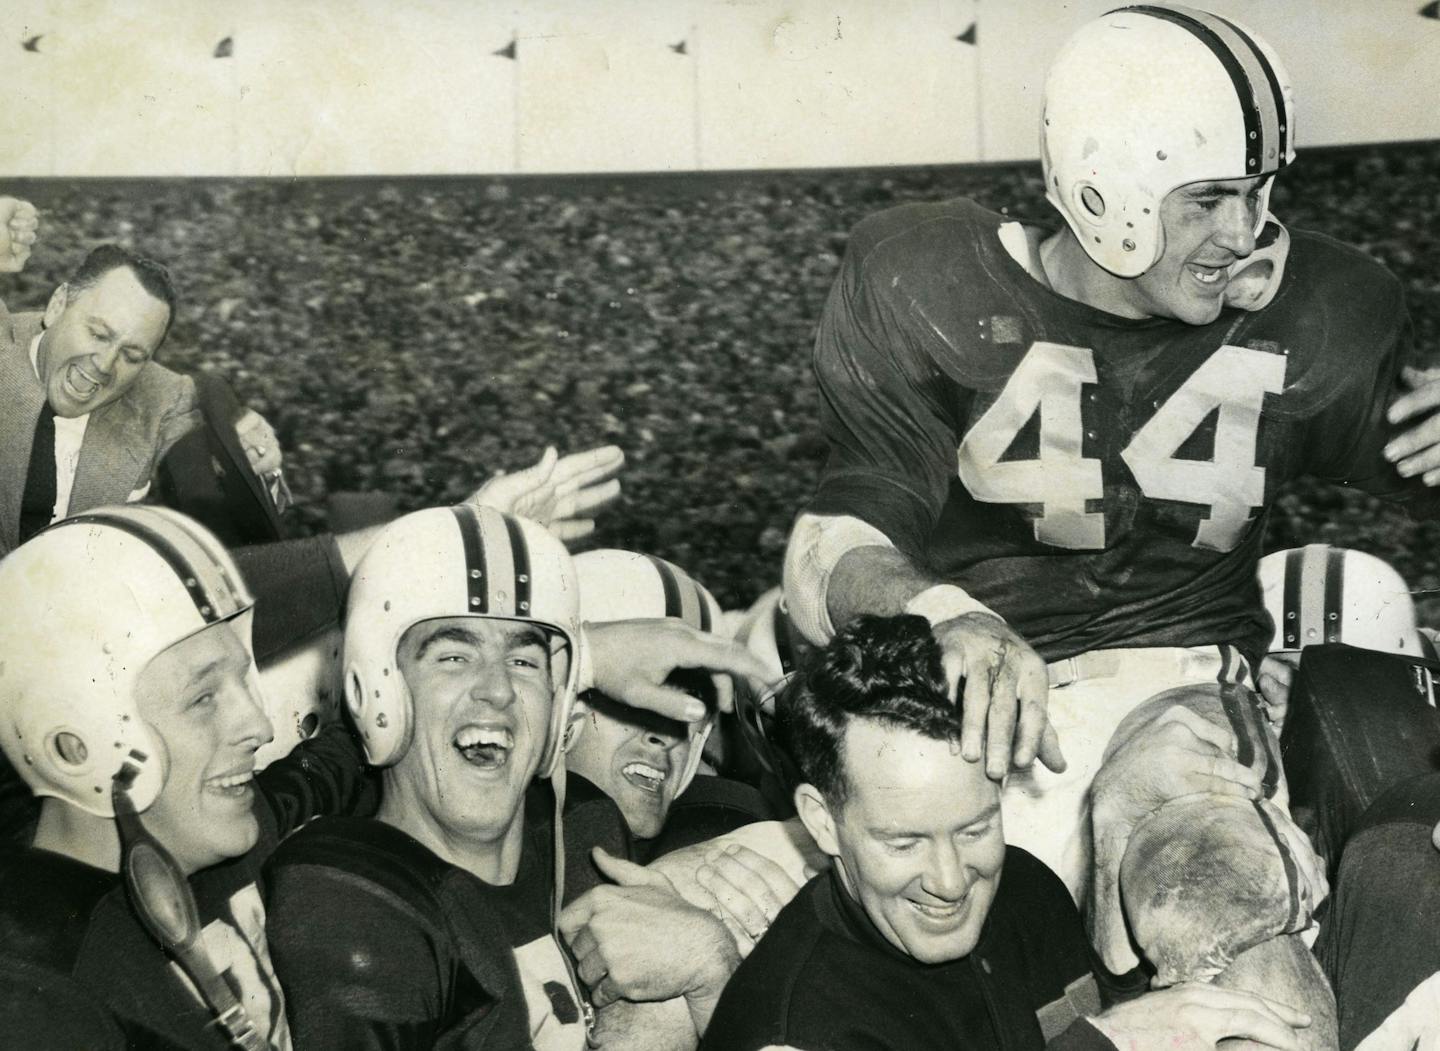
point(1232, 382)
point(1047, 381)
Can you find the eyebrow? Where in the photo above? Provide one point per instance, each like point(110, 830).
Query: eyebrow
point(521, 634)
point(1215, 191)
point(893, 833)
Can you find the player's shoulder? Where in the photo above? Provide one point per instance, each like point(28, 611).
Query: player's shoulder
point(913, 234)
point(1321, 266)
point(353, 856)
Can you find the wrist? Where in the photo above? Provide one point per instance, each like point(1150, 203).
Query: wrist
point(946, 602)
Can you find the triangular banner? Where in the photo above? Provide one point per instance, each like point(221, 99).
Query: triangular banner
point(968, 37)
point(1431, 10)
point(679, 48)
point(225, 48)
point(33, 44)
point(508, 51)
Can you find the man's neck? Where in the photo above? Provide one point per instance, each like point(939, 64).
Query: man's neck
point(1070, 272)
point(496, 862)
point(85, 837)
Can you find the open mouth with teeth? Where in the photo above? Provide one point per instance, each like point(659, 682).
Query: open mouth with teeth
point(1210, 276)
point(80, 384)
point(234, 786)
point(485, 747)
point(645, 777)
point(949, 913)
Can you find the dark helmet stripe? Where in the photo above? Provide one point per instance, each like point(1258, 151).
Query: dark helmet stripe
point(1277, 94)
point(520, 553)
point(467, 520)
point(1244, 93)
point(674, 605)
point(1290, 599)
point(705, 624)
point(1334, 594)
point(196, 570)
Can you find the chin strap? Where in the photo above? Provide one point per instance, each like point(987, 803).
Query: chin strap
point(1255, 279)
point(557, 901)
point(161, 898)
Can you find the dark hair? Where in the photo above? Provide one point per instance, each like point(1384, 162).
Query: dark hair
point(154, 277)
point(884, 669)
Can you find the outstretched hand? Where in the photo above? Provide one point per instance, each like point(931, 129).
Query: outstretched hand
point(1197, 1017)
point(1417, 451)
point(631, 660)
point(18, 222)
point(562, 493)
point(1005, 694)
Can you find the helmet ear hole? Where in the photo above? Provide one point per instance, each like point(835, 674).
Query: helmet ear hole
point(69, 749)
point(1092, 202)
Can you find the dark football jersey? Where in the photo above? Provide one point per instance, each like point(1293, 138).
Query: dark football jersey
point(1098, 481)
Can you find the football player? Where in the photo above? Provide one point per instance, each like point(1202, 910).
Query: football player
point(433, 923)
point(1058, 443)
point(128, 688)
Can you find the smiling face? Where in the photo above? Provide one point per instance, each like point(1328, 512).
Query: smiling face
point(1208, 227)
point(917, 839)
point(199, 700)
point(96, 341)
point(634, 757)
point(482, 694)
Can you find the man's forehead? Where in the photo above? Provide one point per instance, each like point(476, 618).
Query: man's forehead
point(898, 776)
point(476, 630)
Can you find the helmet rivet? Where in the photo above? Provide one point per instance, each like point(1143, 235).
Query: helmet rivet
point(1309, 633)
point(387, 605)
point(106, 648)
point(523, 578)
point(1252, 134)
point(474, 574)
point(1334, 616)
point(1161, 155)
point(189, 582)
point(377, 697)
point(1290, 615)
point(98, 789)
point(1128, 245)
point(1251, 163)
point(381, 721)
point(204, 611)
point(1145, 210)
point(474, 600)
point(384, 671)
point(29, 759)
point(524, 605)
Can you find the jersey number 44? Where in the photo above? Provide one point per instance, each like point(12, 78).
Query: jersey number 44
point(1065, 484)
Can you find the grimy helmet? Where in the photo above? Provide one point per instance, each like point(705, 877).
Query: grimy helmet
point(453, 562)
point(87, 604)
point(1149, 98)
point(626, 585)
point(1320, 594)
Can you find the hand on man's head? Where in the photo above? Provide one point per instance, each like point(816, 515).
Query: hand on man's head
point(18, 224)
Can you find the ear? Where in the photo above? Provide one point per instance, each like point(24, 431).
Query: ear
point(815, 815)
point(59, 299)
point(574, 725)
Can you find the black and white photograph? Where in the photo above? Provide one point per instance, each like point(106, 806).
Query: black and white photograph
point(719, 525)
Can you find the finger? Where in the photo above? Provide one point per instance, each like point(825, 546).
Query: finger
point(591, 968)
point(574, 917)
point(590, 498)
point(1424, 396)
point(696, 649)
point(1050, 753)
point(626, 873)
point(604, 994)
point(1260, 1026)
point(579, 470)
point(1219, 738)
point(752, 870)
point(975, 707)
point(1004, 712)
point(750, 917)
point(1427, 459)
point(1224, 775)
point(571, 529)
point(663, 700)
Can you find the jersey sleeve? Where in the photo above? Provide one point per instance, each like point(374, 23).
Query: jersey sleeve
point(1373, 340)
point(322, 776)
point(891, 443)
point(359, 968)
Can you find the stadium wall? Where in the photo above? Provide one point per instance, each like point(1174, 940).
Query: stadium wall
point(357, 87)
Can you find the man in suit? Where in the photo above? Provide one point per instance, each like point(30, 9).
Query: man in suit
point(88, 413)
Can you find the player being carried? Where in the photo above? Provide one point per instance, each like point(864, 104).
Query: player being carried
point(1059, 443)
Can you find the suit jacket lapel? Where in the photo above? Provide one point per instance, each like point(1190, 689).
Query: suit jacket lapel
point(115, 452)
point(21, 396)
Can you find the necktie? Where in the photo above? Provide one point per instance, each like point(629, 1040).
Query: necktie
point(37, 505)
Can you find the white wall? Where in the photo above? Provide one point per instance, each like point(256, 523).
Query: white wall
point(342, 87)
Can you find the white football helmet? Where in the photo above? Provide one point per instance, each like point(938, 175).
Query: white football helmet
point(453, 562)
point(88, 603)
point(1320, 594)
point(1149, 98)
point(625, 585)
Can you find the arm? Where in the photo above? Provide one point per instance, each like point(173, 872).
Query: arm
point(18, 224)
point(324, 775)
